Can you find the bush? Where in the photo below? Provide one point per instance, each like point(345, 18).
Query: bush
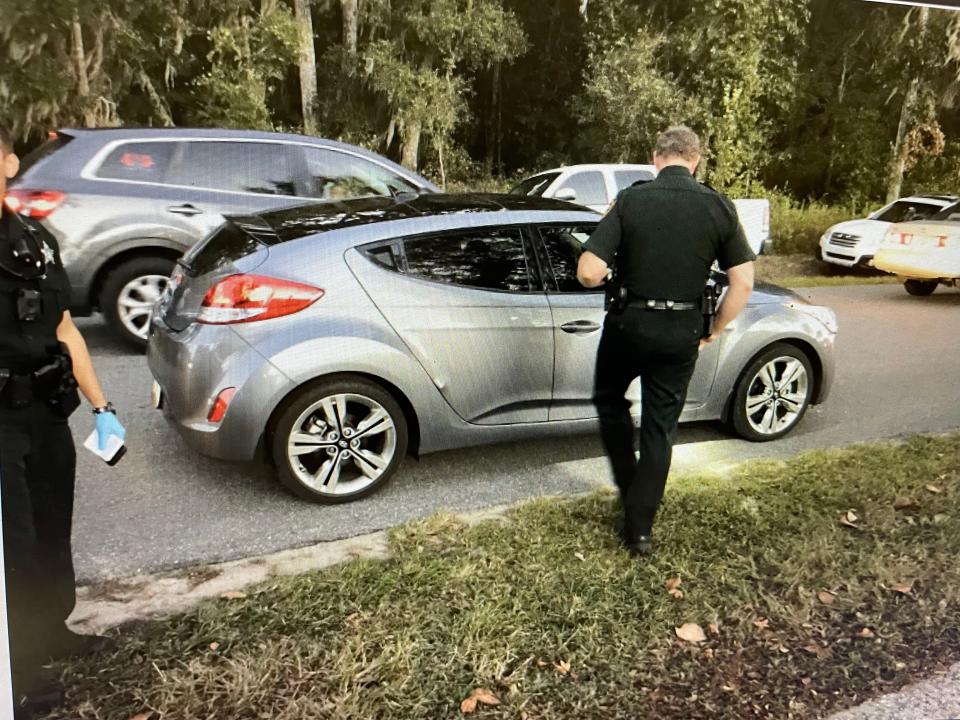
point(796, 227)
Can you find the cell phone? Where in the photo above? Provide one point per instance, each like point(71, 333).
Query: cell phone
point(112, 454)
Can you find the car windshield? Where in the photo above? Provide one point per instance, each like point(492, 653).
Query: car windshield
point(900, 211)
point(950, 212)
point(535, 185)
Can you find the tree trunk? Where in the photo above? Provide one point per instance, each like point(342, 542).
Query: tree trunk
point(410, 143)
point(308, 66)
point(898, 155)
point(389, 135)
point(78, 56)
point(350, 25)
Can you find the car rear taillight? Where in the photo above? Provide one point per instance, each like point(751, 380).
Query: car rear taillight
point(245, 298)
point(36, 204)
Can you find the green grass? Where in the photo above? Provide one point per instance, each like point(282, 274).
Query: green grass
point(802, 270)
point(545, 610)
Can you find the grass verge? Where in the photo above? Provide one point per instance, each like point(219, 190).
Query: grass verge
point(802, 613)
point(799, 270)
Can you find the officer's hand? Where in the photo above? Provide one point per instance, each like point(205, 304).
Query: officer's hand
point(707, 340)
point(107, 425)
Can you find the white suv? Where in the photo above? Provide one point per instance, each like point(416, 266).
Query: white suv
point(855, 242)
point(596, 186)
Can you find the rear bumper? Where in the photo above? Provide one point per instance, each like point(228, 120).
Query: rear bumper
point(920, 265)
point(193, 366)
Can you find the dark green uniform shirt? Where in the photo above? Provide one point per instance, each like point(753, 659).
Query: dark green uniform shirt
point(25, 346)
point(664, 236)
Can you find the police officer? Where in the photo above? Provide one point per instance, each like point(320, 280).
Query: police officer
point(663, 237)
point(43, 359)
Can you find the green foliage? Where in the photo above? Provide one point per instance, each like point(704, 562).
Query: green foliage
point(248, 56)
point(796, 226)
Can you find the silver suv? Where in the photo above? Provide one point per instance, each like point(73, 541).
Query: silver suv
point(124, 204)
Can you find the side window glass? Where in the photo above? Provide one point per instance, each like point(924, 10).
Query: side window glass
point(564, 246)
point(589, 186)
point(625, 178)
point(137, 161)
point(488, 259)
point(254, 167)
point(334, 175)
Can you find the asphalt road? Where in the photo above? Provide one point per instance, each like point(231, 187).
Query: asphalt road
point(164, 506)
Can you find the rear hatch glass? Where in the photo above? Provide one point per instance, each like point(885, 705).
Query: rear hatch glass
point(44, 152)
point(237, 246)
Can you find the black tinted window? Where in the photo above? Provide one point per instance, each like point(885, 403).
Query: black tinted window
point(535, 185)
point(564, 247)
point(254, 167)
point(44, 151)
point(490, 259)
point(903, 211)
point(590, 187)
point(334, 175)
point(144, 161)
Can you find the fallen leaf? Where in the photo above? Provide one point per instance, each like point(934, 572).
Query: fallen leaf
point(142, 716)
point(691, 633)
point(579, 556)
point(708, 653)
point(867, 633)
point(233, 595)
point(761, 623)
point(825, 597)
point(850, 519)
point(713, 629)
point(936, 490)
point(677, 594)
point(479, 695)
point(672, 584)
point(902, 588)
point(817, 650)
point(214, 646)
point(902, 503)
point(805, 680)
point(940, 518)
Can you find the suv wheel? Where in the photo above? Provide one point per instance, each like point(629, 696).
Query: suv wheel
point(773, 393)
point(339, 441)
point(920, 287)
point(128, 296)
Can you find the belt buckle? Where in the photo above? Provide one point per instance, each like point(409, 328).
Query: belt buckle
point(669, 304)
point(651, 303)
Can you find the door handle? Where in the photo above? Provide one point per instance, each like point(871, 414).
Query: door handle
point(185, 209)
point(580, 327)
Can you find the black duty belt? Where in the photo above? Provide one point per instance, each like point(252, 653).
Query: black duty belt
point(646, 304)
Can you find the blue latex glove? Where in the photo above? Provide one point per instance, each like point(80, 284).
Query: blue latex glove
point(107, 425)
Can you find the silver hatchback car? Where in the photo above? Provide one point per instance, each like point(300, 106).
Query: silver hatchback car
point(335, 338)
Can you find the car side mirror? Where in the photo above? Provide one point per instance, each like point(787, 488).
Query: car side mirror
point(567, 193)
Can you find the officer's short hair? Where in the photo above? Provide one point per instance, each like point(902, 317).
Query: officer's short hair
point(678, 141)
point(6, 140)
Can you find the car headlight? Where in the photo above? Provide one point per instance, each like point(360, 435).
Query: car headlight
point(826, 316)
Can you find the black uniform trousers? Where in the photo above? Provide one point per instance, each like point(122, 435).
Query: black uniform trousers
point(37, 464)
point(660, 347)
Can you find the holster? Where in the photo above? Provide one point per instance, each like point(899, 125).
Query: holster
point(54, 382)
point(615, 295)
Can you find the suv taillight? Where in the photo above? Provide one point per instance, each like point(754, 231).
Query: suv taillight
point(36, 204)
point(245, 298)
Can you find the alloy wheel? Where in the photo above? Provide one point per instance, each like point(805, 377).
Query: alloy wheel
point(136, 300)
point(777, 395)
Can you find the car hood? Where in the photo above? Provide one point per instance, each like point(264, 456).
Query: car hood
point(766, 294)
point(872, 229)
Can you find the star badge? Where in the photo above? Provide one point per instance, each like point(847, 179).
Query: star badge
point(48, 254)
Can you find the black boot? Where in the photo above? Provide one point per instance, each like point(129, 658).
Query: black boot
point(69, 644)
point(38, 698)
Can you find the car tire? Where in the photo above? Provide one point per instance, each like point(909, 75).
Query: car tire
point(920, 287)
point(125, 294)
point(780, 359)
point(329, 415)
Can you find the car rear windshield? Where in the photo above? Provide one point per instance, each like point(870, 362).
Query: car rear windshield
point(536, 185)
point(900, 211)
point(43, 152)
point(228, 243)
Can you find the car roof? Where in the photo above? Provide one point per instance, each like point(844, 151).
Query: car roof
point(599, 166)
point(292, 223)
point(945, 199)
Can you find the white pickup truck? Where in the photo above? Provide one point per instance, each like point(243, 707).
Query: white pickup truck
point(596, 186)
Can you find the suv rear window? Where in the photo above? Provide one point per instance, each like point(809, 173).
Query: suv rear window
point(145, 161)
point(35, 157)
